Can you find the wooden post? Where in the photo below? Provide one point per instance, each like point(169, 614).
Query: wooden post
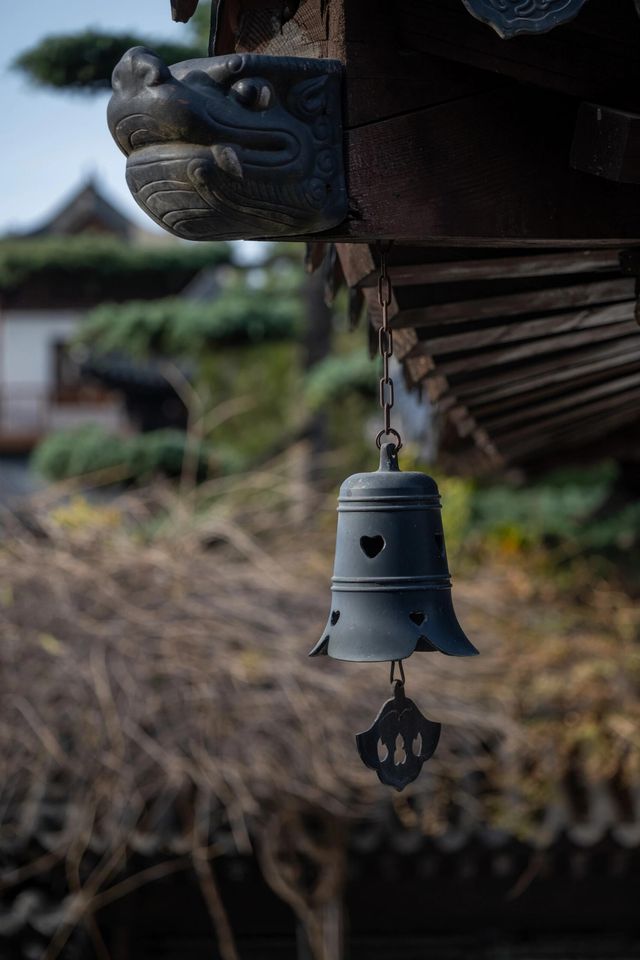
point(331, 919)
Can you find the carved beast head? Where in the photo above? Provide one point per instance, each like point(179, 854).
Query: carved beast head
point(240, 146)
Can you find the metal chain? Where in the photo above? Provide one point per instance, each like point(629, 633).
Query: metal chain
point(385, 345)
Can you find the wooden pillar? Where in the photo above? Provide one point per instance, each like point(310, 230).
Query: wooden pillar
point(333, 946)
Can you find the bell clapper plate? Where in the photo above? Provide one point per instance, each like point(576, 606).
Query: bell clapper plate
point(400, 740)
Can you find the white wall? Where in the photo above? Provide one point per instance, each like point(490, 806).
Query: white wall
point(27, 338)
point(27, 375)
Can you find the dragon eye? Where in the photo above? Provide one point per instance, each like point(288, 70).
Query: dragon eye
point(255, 94)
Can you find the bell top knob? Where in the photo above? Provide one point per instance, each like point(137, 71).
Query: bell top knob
point(389, 484)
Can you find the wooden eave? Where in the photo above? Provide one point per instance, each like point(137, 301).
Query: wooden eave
point(537, 362)
point(511, 307)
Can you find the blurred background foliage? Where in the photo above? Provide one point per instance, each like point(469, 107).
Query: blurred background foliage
point(256, 377)
point(93, 262)
point(89, 450)
point(84, 61)
point(176, 327)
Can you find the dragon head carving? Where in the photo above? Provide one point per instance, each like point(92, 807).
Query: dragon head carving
point(233, 147)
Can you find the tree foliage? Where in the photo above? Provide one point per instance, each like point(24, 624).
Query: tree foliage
point(85, 61)
point(174, 327)
point(561, 511)
point(90, 448)
point(340, 376)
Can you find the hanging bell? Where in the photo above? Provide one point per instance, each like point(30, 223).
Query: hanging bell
point(391, 587)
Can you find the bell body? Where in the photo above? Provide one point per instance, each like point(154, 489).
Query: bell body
point(391, 587)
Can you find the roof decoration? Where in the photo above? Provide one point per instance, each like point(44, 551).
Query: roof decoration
point(512, 17)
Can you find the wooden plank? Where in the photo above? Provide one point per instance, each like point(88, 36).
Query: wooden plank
point(569, 399)
point(515, 304)
point(574, 436)
point(467, 412)
point(500, 268)
point(358, 264)
point(528, 405)
point(573, 415)
point(416, 369)
point(483, 359)
point(385, 83)
point(357, 260)
point(475, 387)
point(404, 341)
point(568, 376)
point(486, 169)
point(526, 329)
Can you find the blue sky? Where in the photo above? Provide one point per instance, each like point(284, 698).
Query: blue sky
point(52, 141)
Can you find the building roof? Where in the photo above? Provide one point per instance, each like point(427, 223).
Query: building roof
point(88, 209)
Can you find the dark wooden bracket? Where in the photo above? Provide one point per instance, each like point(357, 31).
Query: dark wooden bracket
point(242, 146)
point(606, 143)
point(183, 10)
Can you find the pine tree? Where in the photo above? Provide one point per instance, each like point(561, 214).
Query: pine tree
point(84, 61)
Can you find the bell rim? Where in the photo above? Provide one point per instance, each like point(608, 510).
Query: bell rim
point(396, 584)
point(394, 504)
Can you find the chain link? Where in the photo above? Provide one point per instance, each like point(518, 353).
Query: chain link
point(385, 346)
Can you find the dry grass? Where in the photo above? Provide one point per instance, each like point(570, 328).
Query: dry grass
point(173, 665)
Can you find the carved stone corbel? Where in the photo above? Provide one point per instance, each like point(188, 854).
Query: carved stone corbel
point(241, 146)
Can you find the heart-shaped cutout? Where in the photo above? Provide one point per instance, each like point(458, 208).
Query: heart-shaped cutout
point(372, 546)
point(417, 617)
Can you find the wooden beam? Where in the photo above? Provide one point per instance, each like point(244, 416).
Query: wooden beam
point(572, 399)
point(529, 404)
point(477, 386)
point(405, 342)
point(567, 436)
point(489, 169)
point(520, 330)
point(517, 304)
point(385, 82)
point(499, 268)
point(567, 377)
point(573, 415)
point(358, 264)
point(483, 359)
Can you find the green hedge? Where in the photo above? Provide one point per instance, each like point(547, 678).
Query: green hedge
point(103, 260)
point(90, 448)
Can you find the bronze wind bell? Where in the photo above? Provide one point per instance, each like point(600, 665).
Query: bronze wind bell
point(391, 587)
